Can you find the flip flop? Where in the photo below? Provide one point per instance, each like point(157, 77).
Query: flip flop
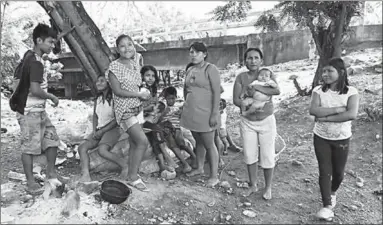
point(35, 191)
point(136, 184)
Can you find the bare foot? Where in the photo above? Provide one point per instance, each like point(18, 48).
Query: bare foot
point(85, 178)
point(166, 167)
point(187, 168)
point(267, 194)
point(250, 191)
point(124, 173)
point(51, 175)
point(195, 172)
point(212, 182)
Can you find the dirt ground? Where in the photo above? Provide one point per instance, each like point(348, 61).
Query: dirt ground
point(296, 196)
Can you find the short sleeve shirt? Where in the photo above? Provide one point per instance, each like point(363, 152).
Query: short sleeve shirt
point(333, 130)
point(37, 73)
point(130, 80)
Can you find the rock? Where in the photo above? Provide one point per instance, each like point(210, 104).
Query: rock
point(200, 213)
point(231, 173)
point(378, 69)
point(186, 203)
point(249, 213)
point(168, 175)
point(69, 155)
point(353, 207)
point(62, 146)
point(358, 204)
point(359, 182)
point(152, 220)
point(88, 187)
point(350, 71)
point(225, 184)
point(71, 204)
point(358, 61)
point(347, 61)
point(356, 70)
point(296, 163)
point(17, 176)
point(248, 204)
point(228, 217)
point(211, 204)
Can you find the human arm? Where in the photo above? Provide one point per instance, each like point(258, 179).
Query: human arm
point(95, 117)
point(36, 78)
point(237, 91)
point(318, 111)
point(215, 83)
point(119, 91)
point(350, 113)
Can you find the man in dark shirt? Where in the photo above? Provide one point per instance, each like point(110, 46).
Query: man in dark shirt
point(38, 135)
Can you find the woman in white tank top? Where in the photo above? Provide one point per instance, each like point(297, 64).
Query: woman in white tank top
point(105, 133)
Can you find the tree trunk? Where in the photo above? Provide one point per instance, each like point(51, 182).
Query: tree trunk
point(85, 41)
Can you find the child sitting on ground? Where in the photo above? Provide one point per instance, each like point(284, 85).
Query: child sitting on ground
point(255, 100)
point(170, 121)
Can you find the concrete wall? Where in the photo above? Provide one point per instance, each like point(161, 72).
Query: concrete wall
point(277, 48)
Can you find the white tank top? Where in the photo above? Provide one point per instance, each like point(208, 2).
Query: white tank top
point(104, 112)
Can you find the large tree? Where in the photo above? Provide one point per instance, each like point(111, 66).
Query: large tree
point(328, 22)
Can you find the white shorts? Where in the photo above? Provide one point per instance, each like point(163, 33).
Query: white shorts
point(223, 119)
point(258, 139)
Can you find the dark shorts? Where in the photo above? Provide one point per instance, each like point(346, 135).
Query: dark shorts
point(155, 136)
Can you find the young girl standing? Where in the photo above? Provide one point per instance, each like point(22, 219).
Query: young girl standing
point(125, 80)
point(105, 132)
point(334, 105)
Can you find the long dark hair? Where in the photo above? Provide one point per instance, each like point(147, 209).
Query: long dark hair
point(342, 83)
point(153, 88)
point(109, 92)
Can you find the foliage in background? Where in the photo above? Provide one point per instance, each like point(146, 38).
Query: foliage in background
point(233, 11)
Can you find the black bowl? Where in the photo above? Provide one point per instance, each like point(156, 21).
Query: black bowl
point(114, 191)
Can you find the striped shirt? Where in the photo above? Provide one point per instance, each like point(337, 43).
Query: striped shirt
point(173, 115)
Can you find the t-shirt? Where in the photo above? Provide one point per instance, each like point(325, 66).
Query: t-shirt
point(333, 130)
point(173, 115)
point(37, 73)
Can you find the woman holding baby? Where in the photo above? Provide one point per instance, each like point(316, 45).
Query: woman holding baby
point(253, 91)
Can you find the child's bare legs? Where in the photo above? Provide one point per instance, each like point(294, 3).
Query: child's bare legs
point(166, 156)
point(84, 160)
point(177, 152)
point(232, 145)
point(27, 160)
point(220, 148)
point(138, 146)
point(162, 164)
point(51, 154)
point(223, 134)
point(104, 151)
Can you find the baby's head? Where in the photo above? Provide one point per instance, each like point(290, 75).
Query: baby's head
point(222, 104)
point(264, 74)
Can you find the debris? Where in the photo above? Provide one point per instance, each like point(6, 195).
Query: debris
point(200, 213)
point(186, 203)
point(168, 175)
point(69, 154)
point(243, 185)
point(71, 204)
point(229, 191)
point(352, 173)
point(359, 182)
point(306, 180)
point(378, 69)
point(225, 184)
point(378, 192)
point(296, 163)
point(211, 204)
point(231, 173)
point(88, 187)
point(17, 176)
point(60, 161)
point(247, 204)
point(62, 146)
point(152, 220)
point(228, 217)
point(249, 213)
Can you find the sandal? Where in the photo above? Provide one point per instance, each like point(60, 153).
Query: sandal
point(138, 184)
point(35, 190)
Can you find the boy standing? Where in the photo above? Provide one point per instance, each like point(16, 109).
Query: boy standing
point(38, 135)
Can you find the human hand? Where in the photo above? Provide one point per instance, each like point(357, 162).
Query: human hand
point(98, 134)
point(144, 95)
point(55, 100)
point(213, 121)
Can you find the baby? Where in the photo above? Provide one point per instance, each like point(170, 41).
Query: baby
point(255, 100)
